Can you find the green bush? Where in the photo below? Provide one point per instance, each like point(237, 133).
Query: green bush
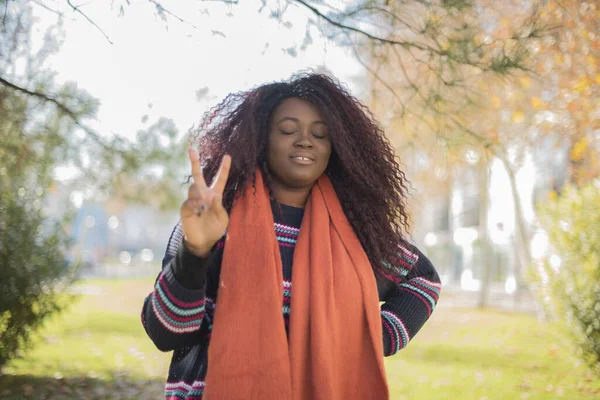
point(571, 287)
point(34, 269)
point(43, 125)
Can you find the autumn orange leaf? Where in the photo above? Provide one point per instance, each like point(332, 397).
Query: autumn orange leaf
point(518, 117)
point(579, 149)
point(537, 103)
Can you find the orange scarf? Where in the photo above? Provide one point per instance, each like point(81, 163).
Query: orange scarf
point(335, 348)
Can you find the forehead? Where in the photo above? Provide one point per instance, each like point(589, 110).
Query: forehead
point(300, 109)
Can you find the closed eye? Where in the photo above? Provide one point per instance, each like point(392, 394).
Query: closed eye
point(319, 136)
point(286, 132)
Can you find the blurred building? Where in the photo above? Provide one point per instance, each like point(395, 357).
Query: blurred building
point(449, 225)
point(108, 236)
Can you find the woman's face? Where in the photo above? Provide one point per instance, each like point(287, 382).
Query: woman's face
point(299, 144)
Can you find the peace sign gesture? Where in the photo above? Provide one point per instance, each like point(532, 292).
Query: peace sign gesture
point(203, 217)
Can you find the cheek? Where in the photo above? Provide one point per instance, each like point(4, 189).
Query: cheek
point(274, 151)
point(326, 152)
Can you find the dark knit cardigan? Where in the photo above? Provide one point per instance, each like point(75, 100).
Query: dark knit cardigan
point(178, 314)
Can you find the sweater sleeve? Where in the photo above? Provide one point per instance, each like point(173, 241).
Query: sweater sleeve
point(409, 302)
point(173, 312)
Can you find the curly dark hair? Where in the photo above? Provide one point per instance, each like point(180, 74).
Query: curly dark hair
point(362, 168)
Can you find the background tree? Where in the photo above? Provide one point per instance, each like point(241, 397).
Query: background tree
point(446, 42)
point(570, 277)
point(549, 111)
point(565, 113)
point(42, 126)
point(541, 98)
point(32, 139)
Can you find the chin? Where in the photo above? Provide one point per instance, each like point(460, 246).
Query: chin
point(299, 181)
point(301, 184)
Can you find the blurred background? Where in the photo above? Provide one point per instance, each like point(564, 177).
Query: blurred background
point(494, 111)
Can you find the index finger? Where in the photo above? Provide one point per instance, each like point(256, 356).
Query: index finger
point(196, 169)
point(220, 179)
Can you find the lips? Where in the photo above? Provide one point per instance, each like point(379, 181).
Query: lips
point(302, 158)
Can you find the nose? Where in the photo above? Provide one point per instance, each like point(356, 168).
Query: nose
point(303, 139)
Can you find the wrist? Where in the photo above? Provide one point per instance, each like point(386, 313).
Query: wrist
point(199, 251)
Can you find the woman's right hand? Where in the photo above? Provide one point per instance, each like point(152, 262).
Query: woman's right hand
point(203, 217)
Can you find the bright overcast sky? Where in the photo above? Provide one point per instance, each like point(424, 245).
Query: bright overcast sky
point(166, 64)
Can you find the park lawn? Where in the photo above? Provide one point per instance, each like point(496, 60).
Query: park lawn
point(97, 349)
point(468, 354)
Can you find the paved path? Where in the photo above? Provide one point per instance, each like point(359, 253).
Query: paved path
point(453, 296)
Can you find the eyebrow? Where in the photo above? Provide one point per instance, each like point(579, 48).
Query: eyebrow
point(297, 120)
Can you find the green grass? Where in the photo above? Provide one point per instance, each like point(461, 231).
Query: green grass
point(98, 349)
point(465, 354)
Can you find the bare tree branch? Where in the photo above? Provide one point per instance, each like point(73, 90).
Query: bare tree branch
point(76, 9)
point(380, 79)
point(440, 80)
point(70, 113)
point(40, 96)
point(405, 108)
point(223, 1)
point(416, 89)
point(368, 35)
point(485, 142)
point(386, 12)
point(5, 12)
point(502, 64)
point(39, 3)
point(160, 8)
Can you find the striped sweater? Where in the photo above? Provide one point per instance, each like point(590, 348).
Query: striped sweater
point(177, 315)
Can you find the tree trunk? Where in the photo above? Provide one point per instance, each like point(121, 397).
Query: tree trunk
point(484, 201)
point(522, 238)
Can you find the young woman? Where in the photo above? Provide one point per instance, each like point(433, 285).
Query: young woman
point(272, 280)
